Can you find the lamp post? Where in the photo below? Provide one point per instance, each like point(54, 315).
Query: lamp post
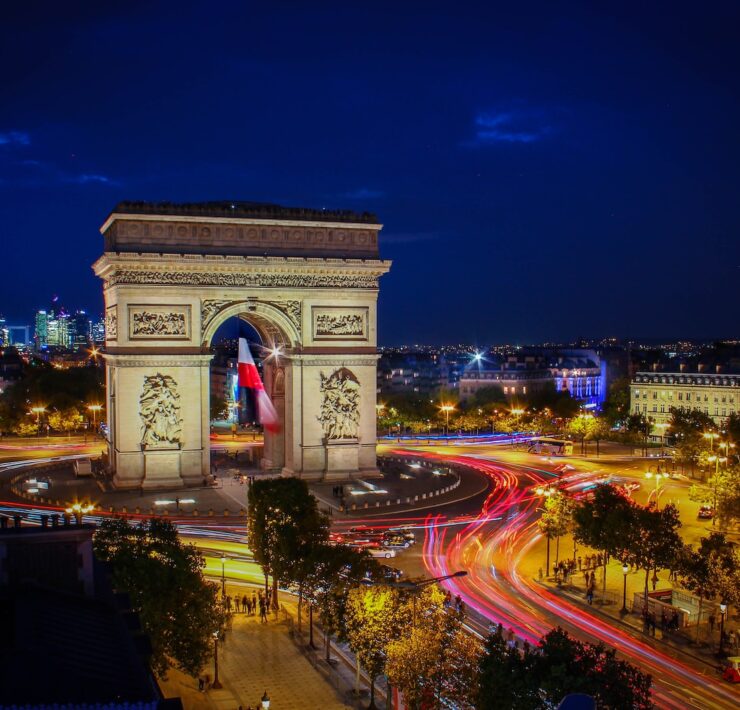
point(38, 411)
point(265, 702)
point(447, 408)
point(223, 576)
point(216, 683)
point(95, 408)
point(625, 570)
point(722, 614)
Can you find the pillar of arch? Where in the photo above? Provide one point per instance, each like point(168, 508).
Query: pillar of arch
point(308, 283)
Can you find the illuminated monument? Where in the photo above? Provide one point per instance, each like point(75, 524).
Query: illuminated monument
point(306, 280)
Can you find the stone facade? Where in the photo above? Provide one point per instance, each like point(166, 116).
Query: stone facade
point(654, 394)
point(166, 307)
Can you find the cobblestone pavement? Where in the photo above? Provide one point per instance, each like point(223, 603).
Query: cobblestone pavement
point(256, 658)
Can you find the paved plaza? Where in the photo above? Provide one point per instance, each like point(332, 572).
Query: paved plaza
point(262, 657)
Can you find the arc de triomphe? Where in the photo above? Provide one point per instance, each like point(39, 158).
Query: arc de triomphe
point(307, 280)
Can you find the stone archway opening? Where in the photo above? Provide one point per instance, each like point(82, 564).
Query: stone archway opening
point(234, 410)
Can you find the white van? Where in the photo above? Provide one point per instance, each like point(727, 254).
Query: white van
point(83, 467)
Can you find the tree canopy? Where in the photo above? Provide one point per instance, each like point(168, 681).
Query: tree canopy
point(163, 577)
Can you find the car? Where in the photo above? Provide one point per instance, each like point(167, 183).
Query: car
point(706, 512)
point(394, 540)
point(731, 670)
point(377, 551)
point(404, 531)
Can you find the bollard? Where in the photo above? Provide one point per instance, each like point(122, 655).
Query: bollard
point(195, 512)
point(210, 511)
point(124, 510)
point(226, 513)
point(138, 510)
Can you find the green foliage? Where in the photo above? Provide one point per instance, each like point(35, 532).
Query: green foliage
point(616, 407)
point(283, 526)
point(219, 408)
point(373, 617)
point(541, 677)
point(557, 515)
point(178, 609)
point(63, 391)
point(437, 658)
point(65, 421)
point(722, 492)
point(603, 522)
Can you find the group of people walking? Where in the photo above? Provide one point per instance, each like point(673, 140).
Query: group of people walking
point(250, 605)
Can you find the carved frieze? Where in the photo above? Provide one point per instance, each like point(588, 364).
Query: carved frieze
point(268, 280)
point(159, 322)
point(338, 323)
point(211, 308)
point(340, 404)
point(111, 324)
point(159, 410)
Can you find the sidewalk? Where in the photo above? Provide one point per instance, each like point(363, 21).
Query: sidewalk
point(256, 658)
point(609, 604)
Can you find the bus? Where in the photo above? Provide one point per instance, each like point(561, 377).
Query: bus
point(551, 447)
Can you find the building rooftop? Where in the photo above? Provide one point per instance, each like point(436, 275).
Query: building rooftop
point(247, 210)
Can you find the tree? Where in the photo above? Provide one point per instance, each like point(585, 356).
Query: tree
point(722, 492)
point(541, 677)
point(283, 525)
point(374, 616)
point(703, 571)
point(652, 541)
point(581, 427)
point(437, 658)
point(604, 522)
point(555, 521)
point(600, 430)
point(219, 408)
point(687, 429)
point(333, 571)
point(66, 420)
point(161, 575)
point(616, 406)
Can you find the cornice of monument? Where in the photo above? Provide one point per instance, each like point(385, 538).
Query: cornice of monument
point(238, 271)
point(237, 211)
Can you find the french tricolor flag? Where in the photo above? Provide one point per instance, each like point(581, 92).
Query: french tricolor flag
point(249, 377)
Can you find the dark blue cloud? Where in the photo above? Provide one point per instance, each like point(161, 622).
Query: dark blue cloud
point(509, 127)
point(14, 138)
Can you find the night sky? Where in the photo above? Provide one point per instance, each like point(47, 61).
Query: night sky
point(542, 173)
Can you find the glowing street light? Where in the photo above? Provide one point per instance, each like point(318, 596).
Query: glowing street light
point(711, 436)
point(95, 409)
point(216, 683)
point(38, 411)
point(223, 576)
point(447, 408)
point(265, 702)
point(625, 570)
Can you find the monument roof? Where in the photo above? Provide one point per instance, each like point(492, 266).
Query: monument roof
point(248, 210)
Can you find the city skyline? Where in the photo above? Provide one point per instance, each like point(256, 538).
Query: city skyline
point(527, 195)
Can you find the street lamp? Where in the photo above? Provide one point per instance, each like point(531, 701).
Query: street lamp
point(223, 576)
point(447, 408)
point(38, 411)
point(265, 701)
point(722, 614)
point(95, 408)
point(711, 436)
point(216, 683)
point(625, 570)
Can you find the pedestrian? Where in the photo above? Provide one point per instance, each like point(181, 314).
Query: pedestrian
point(263, 611)
point(711, 623)
point(579, 563)
point(244, 603)
point(254, 603)
point(674, 620)
point(655, 579)
point(201, 684)
point(228, 602)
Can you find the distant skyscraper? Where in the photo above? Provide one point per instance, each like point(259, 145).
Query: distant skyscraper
point(4, 335)
point(41, 335)
point(98, 331)
point(80, 329)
